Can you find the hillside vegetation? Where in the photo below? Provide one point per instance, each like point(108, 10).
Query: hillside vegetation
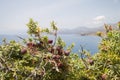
point(39, 58)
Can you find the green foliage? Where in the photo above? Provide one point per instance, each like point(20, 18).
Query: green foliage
point(107, 61)
point(53, 26)
point(43, 59)
point(38, 59)
point(33, 27)
point(119, 25)
point(111, 44)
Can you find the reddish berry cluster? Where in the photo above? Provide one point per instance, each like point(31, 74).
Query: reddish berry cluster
point(57, 52)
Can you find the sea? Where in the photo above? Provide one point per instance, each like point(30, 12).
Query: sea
point(89, 43)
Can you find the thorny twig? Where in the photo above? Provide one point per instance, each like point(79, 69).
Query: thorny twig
point(3, 61)
point(81, 55)
point(55, 38)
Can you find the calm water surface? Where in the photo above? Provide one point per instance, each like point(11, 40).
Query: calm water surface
point(89, 43)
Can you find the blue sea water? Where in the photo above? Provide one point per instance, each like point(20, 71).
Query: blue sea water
point(89, 43)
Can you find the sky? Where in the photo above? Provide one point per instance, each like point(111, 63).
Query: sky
point(15, 14)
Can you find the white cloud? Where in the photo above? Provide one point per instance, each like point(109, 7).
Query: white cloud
point(99, 18)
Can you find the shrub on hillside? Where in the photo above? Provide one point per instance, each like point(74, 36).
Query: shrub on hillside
point(41, 58)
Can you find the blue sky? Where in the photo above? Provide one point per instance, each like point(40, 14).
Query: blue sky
point(15, 14)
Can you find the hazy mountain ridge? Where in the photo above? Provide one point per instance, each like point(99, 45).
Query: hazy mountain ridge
point(82, 30)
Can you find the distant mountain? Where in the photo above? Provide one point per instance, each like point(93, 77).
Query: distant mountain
point(82, 30)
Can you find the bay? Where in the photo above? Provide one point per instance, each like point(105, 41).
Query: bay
point(89, 43)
